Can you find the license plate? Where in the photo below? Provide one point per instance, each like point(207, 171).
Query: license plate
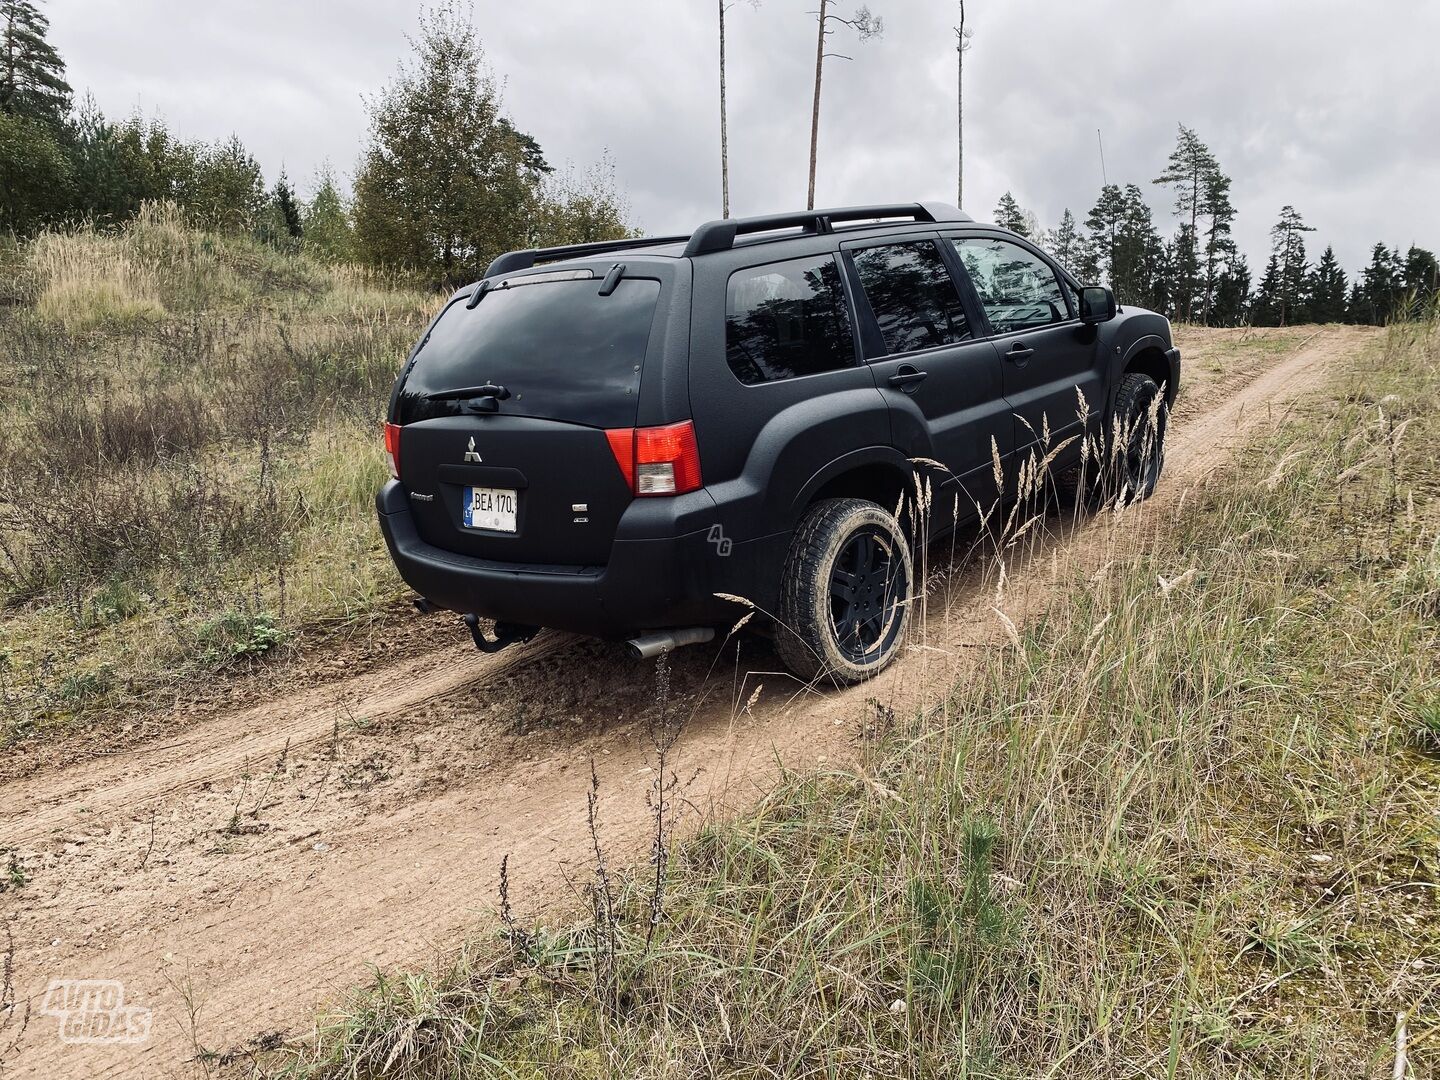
point(490, 508)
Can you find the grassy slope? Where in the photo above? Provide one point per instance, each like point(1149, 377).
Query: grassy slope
point(188, 454)
point(1184, 831)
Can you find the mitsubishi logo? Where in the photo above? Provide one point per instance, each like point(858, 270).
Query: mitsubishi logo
point(470, 454)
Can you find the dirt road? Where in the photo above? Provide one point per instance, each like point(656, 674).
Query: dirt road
point(236, 874)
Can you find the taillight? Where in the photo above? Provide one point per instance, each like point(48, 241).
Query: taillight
point(392, 447)
point(657, 460)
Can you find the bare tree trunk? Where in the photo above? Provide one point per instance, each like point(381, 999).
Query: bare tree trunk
point(815, 113)
point(724, 143)
point(960, 109)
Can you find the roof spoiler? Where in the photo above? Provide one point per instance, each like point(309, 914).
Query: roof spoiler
point(720, 235)
point(524, 260)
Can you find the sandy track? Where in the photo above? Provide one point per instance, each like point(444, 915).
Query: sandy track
point(234, 876)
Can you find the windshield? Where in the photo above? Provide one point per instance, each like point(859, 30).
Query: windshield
point(561, 350)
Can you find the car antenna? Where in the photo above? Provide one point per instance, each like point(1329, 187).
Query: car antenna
point(1104, 179)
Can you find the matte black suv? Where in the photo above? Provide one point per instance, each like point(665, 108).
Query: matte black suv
point(624, 440)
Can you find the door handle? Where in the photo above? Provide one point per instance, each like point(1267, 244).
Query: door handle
point(1020, 354)
point(907, 378)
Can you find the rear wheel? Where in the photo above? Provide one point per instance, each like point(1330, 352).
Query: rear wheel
point(1135, 455)
point(844, 605)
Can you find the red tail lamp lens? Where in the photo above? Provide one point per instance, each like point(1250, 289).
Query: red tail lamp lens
point(392, 447)
point(658, 460)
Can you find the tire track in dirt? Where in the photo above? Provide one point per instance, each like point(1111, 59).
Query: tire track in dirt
point(38, 806)
point(258, 896)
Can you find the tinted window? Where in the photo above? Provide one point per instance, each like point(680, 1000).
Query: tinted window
point(912, 296)
point(1018, 290)
point(562, 350)
point(787, 319)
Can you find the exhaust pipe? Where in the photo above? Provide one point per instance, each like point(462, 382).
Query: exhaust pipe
point(663, 641)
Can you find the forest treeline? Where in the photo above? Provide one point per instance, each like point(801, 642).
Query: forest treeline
point(445, 181)
point(1199, 275)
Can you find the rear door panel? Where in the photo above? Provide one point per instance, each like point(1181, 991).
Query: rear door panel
point(957, 414)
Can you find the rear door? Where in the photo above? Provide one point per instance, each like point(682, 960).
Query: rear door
point(940, 377)
point(503, 451)
point(1047, 354)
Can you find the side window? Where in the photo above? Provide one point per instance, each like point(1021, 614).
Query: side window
point(787, 319)
point(1018, 290)
point(912, 295)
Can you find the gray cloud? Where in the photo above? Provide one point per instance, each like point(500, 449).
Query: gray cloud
point(1310, 102)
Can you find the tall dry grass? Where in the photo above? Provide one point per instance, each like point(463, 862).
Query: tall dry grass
point(186, 440)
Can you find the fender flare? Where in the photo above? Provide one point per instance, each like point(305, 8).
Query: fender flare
point(854, 459)
point(1144, 343)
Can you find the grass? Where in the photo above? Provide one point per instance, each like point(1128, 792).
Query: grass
point(1183, 824)
point(187, 447)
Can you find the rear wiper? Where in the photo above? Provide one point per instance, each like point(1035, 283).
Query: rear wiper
point(490, 390)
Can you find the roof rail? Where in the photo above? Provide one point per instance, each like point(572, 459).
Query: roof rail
point(720, 235)
point(524, 260)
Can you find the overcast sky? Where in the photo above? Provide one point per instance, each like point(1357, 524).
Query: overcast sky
point(1332, 107)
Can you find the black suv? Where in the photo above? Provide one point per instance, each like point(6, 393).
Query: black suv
point(643, 439)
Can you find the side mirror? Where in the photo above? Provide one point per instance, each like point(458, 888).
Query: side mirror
point(1097, 304)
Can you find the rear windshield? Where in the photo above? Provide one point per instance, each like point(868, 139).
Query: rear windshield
point(563, 351)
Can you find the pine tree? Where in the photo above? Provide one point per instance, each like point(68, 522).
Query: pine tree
point(32, 75)
point(1355, 305)
point(1065, 244)
point(1186, 285)
point(1231, 304)
point(1422, 276)
point(1128, 250)
point(1202, 246)
point(1325, 290)
point(289, 210)
point(1138, 258)
point(1103, 232)
point(1287, 239)
point(1267, 308)
point(101, 189)
point(1189, 172)
point(1008, 215)
point(1377, 293)
point(1149, 266)
point(1216, 209)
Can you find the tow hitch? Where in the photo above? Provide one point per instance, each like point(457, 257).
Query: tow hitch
point(506, 634)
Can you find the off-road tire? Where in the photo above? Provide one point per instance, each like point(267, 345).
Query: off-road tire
point(1131, 471)
point(831, 536)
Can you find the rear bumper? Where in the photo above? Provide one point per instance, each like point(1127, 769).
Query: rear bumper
point(648, 584)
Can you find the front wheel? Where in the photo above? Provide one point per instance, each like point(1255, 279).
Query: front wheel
point(845, 599)
point(1135, 454)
